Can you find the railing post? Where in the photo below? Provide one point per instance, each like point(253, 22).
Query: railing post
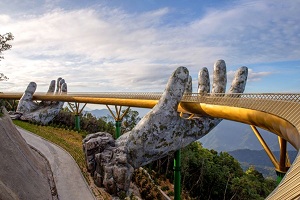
point(177, 175)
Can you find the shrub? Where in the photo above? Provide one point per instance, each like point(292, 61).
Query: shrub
point(165, 188)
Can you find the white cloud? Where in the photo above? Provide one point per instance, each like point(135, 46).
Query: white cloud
point(257, 76)
point(253, 76)
point(105, 49)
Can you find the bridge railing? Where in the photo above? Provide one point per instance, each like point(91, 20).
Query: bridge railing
point(283, 105)
point(211, 97)
point(191, 97)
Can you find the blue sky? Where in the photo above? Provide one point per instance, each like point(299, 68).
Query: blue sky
point(133, 46)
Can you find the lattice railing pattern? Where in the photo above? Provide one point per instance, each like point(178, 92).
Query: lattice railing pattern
point(194, 97)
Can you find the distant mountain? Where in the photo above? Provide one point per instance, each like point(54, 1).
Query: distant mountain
point(259, 159)
point(87, 108)
point(229, 136)
point(100, 113)
point(105, 112)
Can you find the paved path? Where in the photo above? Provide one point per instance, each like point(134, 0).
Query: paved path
point(69, 181)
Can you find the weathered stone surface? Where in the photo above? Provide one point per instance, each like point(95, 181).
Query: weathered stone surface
point(220, 77)
point(239, 81)
point(22, 174)
point(203, 81)
point(44, 111)
point(161, 131)
point(109, 165)
point(189, 86)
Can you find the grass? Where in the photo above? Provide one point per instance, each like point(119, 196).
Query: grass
point(69, 140)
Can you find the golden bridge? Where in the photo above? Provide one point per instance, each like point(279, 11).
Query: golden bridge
point(277, 113)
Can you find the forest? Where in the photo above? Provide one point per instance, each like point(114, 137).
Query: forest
point(206, 174)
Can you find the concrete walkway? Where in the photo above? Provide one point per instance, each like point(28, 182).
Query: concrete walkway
point(69, 181)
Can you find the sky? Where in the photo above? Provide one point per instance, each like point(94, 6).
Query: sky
point(135, 45)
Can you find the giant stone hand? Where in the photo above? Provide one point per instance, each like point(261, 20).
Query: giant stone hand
point(158, 133)
point(44, 111)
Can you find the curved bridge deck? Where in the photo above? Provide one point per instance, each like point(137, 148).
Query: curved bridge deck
point(278, 113)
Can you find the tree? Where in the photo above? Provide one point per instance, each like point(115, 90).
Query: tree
point(252, 185)
point(4, 39)
point(130, 120)
point(3, 77)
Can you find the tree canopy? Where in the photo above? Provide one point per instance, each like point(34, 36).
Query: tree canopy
point(207, 174)
point(4, 39)
point(3, 77)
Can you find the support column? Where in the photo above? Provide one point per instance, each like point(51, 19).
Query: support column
point(280, 176)
point(76, 109)
point(282, 159)
point(177, 175)
point(266, 147)
point(283, 164)
point(118, 128)
point(283, 154)
point(77, 122)
point(118, 118)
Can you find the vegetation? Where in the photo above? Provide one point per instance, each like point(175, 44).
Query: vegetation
point(3, 77)
point(88, 123)
point(130, 120)
point(4, 46)
point(207, 174)
point(10, 105)
point(4, 39)
point(147, 187)
point(260, 160)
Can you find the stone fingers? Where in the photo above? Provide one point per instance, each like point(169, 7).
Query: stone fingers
point(64, 88)
point(174, 90)
point(28, 94)
point(239, 82)
point(51, 87)
point(189, 86)
point(203, 81)
point(219, 77)
point(26, 104)
point(58, 84)
point(61, 88)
